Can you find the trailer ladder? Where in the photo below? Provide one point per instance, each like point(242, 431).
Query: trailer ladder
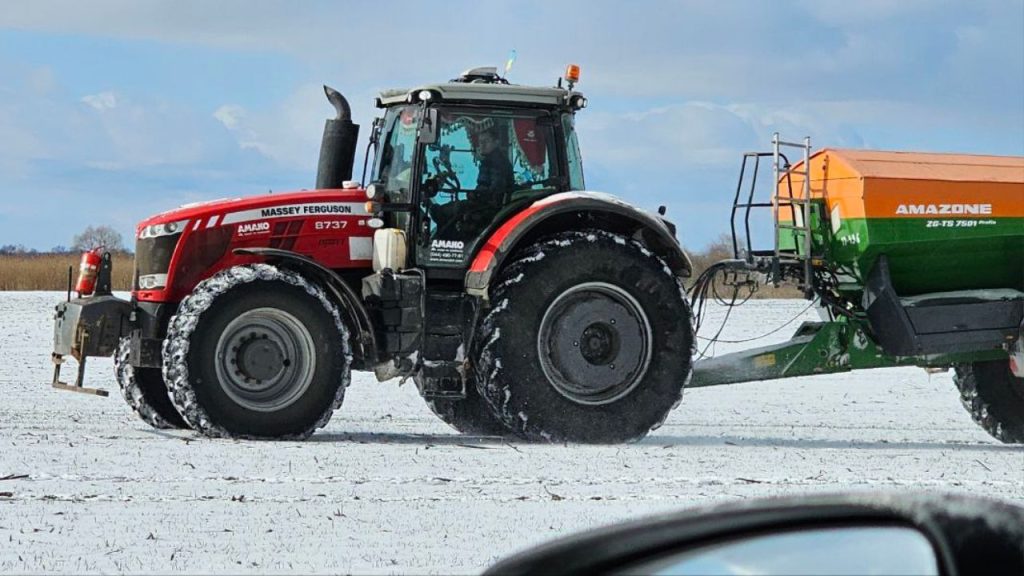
point(778, 260)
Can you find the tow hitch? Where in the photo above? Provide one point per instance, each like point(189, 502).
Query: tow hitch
point(91, 325)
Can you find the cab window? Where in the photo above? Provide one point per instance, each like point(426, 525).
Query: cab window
point(395, 165)
point(482, 164)
point(573, 156)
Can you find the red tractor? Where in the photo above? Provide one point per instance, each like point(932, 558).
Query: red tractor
point(474, 262)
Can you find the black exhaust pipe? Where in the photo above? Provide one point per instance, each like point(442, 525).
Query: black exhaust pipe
point(338, 148)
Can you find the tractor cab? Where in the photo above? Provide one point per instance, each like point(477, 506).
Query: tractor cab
point(454, 160)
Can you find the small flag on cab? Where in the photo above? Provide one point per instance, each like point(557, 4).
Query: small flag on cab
point(511, 60)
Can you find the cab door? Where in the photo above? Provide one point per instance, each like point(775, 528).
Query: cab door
point(482, 167)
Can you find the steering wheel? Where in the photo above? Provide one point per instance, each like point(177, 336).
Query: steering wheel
point(445, 179)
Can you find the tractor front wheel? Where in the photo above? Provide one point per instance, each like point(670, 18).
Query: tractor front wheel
point(258, 352)
point(994, 397)
point(144, 391)
point(589, 340)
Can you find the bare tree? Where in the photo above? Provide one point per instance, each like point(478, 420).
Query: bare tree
point(718, 249)
point(96, 236)
point(13, 249)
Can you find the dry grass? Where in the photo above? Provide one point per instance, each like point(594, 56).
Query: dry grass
point(50, 271)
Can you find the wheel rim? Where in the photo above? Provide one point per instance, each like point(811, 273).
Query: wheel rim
point(594, 343)
point(265, 359)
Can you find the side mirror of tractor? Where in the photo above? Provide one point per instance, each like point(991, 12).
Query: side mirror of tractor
point(428, 127)
point(378, 127)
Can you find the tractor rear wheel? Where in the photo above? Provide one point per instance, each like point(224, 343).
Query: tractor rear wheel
point(144, 391)
point(257, 352)
point(589, 339)
point(994, 397)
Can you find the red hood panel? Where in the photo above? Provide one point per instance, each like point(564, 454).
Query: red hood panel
point(236, 206)
point(328, 226)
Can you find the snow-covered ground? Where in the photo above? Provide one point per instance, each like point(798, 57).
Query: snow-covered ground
point(386, 487)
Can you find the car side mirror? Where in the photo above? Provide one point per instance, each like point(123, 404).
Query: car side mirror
point(866, 549)
point(854, 533)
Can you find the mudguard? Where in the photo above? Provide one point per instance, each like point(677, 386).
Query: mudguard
point(539, 216)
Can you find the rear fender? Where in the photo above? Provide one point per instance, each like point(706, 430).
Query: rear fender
point(573, 211)
point(355, 315)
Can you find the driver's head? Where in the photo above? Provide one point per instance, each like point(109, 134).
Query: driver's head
point(487, 141)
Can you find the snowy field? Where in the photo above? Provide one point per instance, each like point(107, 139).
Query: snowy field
point(386, 487)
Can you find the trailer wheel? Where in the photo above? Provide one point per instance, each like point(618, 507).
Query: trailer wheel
point(589, 339)
point(144, 391)
point(257, 352)
point(471, 415)
point(994, 397)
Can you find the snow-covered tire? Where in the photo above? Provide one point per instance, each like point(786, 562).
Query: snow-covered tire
point(590, 339)
point(994, 397)
point(144, 391)
point(257, 352)
point(471, 415)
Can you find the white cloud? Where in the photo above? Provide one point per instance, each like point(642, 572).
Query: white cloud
point(101, 101)
point(229, 115)
point(289, 133)
point(844, 13)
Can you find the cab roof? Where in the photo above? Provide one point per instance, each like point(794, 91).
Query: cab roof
point(481, 85)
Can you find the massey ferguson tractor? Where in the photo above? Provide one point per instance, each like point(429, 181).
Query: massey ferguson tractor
point(473, 262)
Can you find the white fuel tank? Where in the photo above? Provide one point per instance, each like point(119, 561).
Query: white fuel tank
point(389, 249)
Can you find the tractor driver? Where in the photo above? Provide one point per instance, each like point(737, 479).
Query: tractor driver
point(466, 218)
point(495, 178)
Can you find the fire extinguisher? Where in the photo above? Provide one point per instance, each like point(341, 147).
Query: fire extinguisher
point(87, 272)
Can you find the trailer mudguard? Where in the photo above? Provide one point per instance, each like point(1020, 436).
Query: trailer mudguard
point(940, 322)
point(573, 211)
point(364, 338)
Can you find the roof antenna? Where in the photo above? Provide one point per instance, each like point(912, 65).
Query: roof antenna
point(508, 63)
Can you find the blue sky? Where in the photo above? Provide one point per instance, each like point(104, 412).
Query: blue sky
point(114, 110)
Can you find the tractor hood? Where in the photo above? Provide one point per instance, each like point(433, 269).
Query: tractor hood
point(176, 249)
point(228, 210)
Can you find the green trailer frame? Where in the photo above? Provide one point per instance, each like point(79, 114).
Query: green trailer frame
point(819, 348)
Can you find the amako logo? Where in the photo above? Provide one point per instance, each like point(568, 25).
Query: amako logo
point(448, 244)
point(253, 228)
point(960, 209)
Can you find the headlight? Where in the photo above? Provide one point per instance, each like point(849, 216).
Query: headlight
point(157, 230)
point(152, 281)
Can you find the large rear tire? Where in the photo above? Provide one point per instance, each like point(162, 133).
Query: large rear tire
point(994, 397)
point(589, 339)
point(257, 352)
point(144, 391)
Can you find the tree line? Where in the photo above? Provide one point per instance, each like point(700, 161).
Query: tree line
point(90, 238)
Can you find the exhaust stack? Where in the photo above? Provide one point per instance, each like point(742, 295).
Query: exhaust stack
point(338, 148)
